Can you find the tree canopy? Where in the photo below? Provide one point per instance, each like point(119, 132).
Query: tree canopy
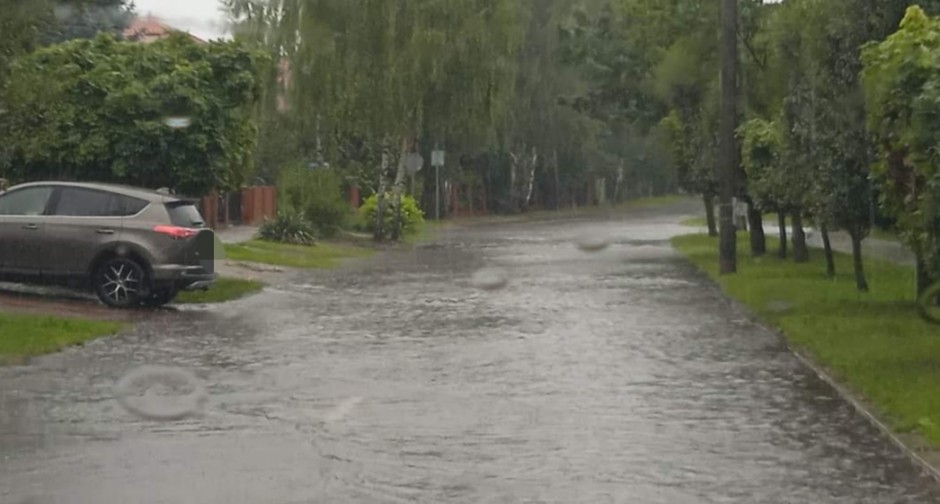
point(97, 110)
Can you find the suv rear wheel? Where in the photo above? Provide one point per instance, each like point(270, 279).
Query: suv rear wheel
point(120, 282)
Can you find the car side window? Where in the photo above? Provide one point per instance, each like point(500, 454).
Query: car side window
point(130, 206)
point(28, 201)
point(80, 202)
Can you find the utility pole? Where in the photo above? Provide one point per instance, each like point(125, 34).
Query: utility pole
point(727, 251)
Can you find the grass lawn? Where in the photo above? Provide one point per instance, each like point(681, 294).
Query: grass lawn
point(322, 255)
point(884, 234)
point(654, 201)
point(695, 222)
point(27, 335)
point(875, 343)
point(701, 222)
point(224, 289)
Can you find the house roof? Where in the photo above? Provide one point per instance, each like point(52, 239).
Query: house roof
point(150, 28)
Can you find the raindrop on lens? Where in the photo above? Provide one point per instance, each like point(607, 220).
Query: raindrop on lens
point(592, 242)
point(161, 393)
point(177, 122)
point(489, 279)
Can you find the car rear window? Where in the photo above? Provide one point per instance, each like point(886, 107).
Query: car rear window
point(184, 214)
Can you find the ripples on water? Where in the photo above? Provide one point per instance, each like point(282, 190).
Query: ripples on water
point(490, 279)
point(161, 393)
point(592, 241)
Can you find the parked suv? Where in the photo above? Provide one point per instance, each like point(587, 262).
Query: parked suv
point(130, 246)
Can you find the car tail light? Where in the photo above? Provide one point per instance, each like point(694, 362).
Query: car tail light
point(176, 232)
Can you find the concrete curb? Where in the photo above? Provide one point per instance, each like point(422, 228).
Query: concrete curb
point(843, 392)
point(860, 408)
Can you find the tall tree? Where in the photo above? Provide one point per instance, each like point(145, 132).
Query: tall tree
point(727, 257)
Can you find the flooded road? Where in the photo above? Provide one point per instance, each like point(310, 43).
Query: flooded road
point(618, 375)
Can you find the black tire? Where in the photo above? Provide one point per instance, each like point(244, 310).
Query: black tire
point(120, 282)
point(160, 297)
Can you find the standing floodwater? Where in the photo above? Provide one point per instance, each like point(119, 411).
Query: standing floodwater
point(613, 376)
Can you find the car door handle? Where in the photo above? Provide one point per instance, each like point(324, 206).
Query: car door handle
point(31, 227)
point(104, 231)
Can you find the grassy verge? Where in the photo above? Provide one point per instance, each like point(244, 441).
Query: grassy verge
point(323, 255)
point(224, 289)
point(28, 335)
point(884, 234)
point(653, 201)
point(874, 342)
point(701, 222)
point(695, 222)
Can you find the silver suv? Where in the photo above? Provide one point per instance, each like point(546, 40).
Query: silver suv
point(130, 246)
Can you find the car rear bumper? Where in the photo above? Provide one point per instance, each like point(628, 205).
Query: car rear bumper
point(183, 277)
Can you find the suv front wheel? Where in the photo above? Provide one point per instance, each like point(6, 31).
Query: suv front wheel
point(120, 282)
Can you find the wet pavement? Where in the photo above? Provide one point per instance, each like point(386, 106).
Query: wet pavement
point(591, 377)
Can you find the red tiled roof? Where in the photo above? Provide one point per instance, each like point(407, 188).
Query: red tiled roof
point(150, 28)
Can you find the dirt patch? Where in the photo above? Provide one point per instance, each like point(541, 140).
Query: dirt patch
point(271, 275)
point(66, 305)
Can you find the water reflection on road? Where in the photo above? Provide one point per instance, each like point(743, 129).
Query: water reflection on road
point(618, 375)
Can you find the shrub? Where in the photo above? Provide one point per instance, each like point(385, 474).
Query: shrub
point(411, 214)
point(288, 227)
point(317, 194)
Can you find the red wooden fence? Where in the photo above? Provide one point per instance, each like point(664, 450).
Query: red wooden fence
point(257, 204)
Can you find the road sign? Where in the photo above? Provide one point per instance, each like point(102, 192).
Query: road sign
point(413, 163)
point(437, 158)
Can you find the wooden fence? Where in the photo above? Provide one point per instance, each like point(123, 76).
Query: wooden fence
point(248, 207)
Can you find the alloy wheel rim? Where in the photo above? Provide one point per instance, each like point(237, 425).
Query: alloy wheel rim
point(121, 282)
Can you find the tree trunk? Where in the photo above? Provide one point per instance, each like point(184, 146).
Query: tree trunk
point(710, 214)
point(782, 225)
point(557, 183)
point(530, 185)
point(827, 247)
point(860, 283)
point(756, 223)
point(727, 247)
point(398, 189)
point(923, 274)
point(378, 233)
point(800, 250)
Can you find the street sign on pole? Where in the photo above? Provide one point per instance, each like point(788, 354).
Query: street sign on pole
point(437, 158)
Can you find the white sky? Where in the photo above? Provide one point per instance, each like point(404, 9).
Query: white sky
point(202, 18)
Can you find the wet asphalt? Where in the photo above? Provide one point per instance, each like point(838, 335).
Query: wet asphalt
point(614, 376)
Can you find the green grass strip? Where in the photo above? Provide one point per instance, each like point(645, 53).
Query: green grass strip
point(875, 343)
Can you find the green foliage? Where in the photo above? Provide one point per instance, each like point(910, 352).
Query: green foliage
point(95, 110)
point(760, 154)
point(902, 85)
point(315, 194)
point(72, 19)
point(411, 214)
point(288, 227)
